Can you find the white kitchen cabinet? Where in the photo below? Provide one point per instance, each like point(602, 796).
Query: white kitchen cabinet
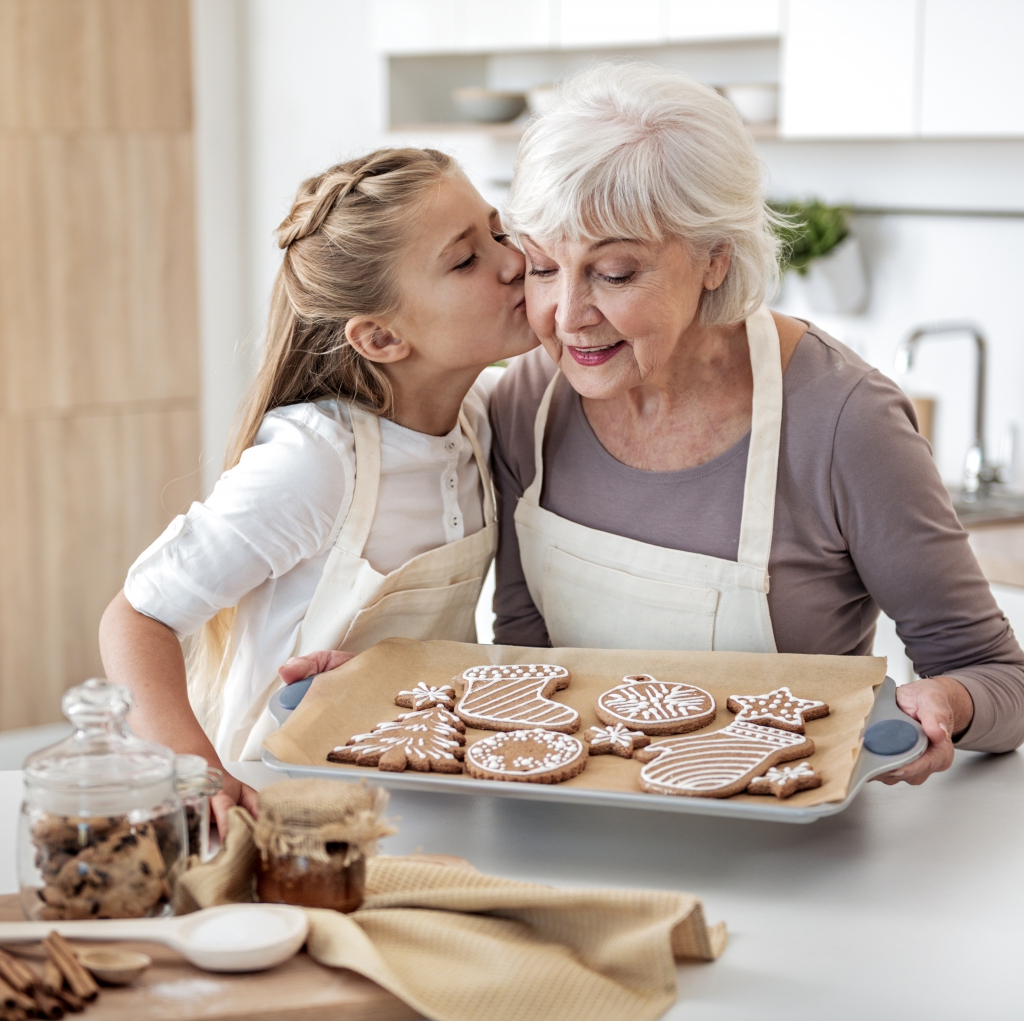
point(495, 25)
point(698, 20)
point(973, 68)
point(610, 23)
point(417, 26)
point(849, 69)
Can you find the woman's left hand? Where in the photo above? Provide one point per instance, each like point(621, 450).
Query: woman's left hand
point(943, 707)
point(298, 668)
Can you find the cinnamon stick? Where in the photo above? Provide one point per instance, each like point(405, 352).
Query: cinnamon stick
point(15, 973)
point(81, 983)
point(47, 1006)
point(53, 979)
point(12, 1014)
point(71, 1002)
point(11, 997)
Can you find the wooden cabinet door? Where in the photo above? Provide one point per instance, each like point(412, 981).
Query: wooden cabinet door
point(849, 69)
point(973, 68)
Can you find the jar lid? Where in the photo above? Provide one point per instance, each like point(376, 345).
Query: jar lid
point(102, 757)
point(195, 777)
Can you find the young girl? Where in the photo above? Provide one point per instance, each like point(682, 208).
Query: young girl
point(357, 503)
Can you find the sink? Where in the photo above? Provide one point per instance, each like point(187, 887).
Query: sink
point(987, 508)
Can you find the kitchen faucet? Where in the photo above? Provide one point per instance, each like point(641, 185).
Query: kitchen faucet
point(978, 473)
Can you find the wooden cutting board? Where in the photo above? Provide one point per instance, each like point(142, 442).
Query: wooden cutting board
point(173, 990)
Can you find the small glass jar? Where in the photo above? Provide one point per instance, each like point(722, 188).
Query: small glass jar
point(328, 881)
point(196, 784)
point(102, 831)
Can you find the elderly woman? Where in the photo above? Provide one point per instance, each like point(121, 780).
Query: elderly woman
point(680, 468)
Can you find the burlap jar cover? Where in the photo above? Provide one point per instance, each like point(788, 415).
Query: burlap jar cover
point(458, 945)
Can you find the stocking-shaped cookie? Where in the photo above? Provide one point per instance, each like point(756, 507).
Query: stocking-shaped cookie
point(717, 765)
point(431, 739)
point(516, 698)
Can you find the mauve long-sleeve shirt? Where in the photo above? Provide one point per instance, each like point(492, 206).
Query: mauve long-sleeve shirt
point(862, 522)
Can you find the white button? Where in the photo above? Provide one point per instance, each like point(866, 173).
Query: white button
point(451, 481)
point(454, 521)
point(450, 445)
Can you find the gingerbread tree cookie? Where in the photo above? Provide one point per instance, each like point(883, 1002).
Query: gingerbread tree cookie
point(516, 697)
point(426, 696)
point(779, 708)
point(644, 703)
point(427, 740)
point(785, 781)
point(527, 756)
point(717, 765)
point(615, 740)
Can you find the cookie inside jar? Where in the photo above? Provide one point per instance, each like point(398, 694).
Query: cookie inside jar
point(313, 838)
point(102, 832)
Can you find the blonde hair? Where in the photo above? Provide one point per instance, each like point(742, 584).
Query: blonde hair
point(632, 150)
point(342, 239)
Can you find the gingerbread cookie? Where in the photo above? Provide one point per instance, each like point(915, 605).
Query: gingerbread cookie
point(779, 708)
point(650, 705)
point(615, 740)
point(516, 697)
point(717, 765)
point(427, 740)
point(785, 781)
point(426, 696)
point(527, 756)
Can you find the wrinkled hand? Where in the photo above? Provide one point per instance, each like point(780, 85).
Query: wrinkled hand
point(298, 668)
point(943, 707)
point(234, 792)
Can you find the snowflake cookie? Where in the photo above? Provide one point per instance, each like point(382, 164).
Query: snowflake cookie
point(527, 756)
point(785, 781)
point(779, 708)
point(615, 740)
point(720, 764)
point(516, 697)
point(644, 703)
point(426, 696)
point(427, 740)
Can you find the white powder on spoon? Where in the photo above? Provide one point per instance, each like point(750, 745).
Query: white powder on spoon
point(239, 930)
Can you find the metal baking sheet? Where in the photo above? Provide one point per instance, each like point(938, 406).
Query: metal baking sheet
point(868, 765)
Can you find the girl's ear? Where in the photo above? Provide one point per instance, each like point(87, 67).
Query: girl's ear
point(375, 342)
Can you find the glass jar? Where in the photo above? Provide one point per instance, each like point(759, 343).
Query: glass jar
point(102, 832)
point(331, 880)
point(196, 784)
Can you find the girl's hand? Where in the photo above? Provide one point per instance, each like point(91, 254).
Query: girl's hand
point(298, 668)
point(943, 707)
point(234, 792)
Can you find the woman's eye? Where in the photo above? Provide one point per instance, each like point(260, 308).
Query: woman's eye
point(536, 271)
point(617, 279)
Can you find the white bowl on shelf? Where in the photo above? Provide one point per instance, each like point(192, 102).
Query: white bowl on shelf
point(756, 104)
point(488, 106)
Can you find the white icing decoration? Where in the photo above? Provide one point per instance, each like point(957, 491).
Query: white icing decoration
point(616, 734)
point(512, 697)
point(425, 695)
point(784, 708)
point(499, 752)
point(709, 763)
point(642, 699)
point(425, 735)
point(786, 773)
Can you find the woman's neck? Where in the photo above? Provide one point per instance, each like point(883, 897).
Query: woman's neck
point(427, 399)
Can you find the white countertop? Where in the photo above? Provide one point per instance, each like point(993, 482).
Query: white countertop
point(908, 905)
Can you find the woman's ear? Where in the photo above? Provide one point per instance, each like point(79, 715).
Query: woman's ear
point(718, 265)
point(374, 341)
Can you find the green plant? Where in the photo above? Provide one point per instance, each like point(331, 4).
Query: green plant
point(808, 231)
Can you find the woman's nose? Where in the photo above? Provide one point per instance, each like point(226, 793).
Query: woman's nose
point(575, 310)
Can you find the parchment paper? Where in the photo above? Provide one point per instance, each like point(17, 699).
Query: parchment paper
point(357, 696)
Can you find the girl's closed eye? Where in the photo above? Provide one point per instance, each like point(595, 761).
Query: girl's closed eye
point(467, 262)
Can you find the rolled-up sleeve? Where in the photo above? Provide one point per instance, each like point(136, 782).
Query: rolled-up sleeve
point(276, 507)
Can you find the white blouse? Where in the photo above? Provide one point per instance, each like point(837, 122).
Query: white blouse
point(262, 537)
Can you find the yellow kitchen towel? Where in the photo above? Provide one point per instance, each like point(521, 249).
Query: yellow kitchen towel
point(458, 945)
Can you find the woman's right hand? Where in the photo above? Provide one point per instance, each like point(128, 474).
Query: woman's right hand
point(298, 668)
point(234, 792)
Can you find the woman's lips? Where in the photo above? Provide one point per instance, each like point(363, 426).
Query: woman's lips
point(595, 355)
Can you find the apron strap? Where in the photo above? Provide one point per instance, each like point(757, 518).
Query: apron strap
point(490, 512)
point(758, 518)
point(356, 529)
point(533, 491)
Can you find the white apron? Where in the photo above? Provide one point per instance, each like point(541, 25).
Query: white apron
point(599, 590)
point(434, 595)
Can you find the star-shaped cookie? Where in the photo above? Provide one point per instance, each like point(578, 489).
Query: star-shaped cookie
point(426, 696)
point(616, 739)
point(785, 781)
point(779, 708)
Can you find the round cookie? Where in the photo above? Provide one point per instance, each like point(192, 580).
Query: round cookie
point(527, 756)
point(641, 702)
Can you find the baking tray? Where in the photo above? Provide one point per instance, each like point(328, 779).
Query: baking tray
point(868, 765)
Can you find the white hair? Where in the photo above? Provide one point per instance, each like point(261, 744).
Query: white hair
point(632, 150)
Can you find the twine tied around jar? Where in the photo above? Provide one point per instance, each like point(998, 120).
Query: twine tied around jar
point(314, 818)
